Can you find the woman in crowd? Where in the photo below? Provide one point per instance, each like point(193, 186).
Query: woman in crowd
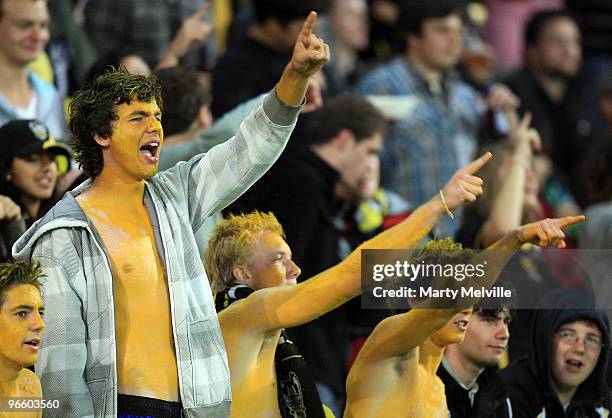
point(30, 163)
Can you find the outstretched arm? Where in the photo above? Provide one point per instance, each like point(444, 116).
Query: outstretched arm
point(212, 181)
point(399, 334)
point(289, 306)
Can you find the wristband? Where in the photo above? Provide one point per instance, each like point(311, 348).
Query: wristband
point(448, 212)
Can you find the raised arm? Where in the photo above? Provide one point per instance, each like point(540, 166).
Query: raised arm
point(309, 55)
point(507, 209)
point(220, 131)
point(208, 183)
point(397, 335)
point(193, 30)
point(289, 306)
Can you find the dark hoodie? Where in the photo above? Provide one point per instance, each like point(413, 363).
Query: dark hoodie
point(531, 392)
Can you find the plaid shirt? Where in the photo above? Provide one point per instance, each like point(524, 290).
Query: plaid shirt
point(77, 363)
point(425, 148)
point(145, 26)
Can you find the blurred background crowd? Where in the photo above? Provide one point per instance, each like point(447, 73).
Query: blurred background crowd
point(414, 90)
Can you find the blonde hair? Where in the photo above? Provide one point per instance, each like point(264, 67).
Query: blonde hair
point(231, 244)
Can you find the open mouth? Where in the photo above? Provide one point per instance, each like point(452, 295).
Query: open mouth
point(33, 344)
point(150, 151)
point(573, 365)
point(462, 324)
point(45, 182)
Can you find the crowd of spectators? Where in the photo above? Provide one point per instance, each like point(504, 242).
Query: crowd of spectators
point(414, 90)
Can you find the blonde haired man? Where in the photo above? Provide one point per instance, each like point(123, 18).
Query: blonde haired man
point(249, 263)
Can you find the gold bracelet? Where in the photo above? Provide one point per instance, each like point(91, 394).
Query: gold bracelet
point(448, 212)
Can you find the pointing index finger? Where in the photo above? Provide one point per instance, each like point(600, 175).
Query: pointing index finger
point(309, 24)
point(477, 164)
point(570, 220)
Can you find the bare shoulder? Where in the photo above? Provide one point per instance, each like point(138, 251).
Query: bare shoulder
point(29, 384)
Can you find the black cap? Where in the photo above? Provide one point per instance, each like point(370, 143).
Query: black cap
point(26, 137)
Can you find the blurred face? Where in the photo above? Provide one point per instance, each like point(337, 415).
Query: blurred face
point(360, 163)
point(485, 339)
point(557, 52)
point(454, 330)
point(271, 264)
point(21, 326)
point(24, 30)
point(35, 176)
point(370, 181)
point(133, 150)
point(575, 352)
point(350, 23)
point(136, 65)
point(440, 44)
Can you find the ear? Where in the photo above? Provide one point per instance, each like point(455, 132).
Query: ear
point(103, 142)
point(204, 118)
point(410, 39)
point(242, 275)
point(344, 140)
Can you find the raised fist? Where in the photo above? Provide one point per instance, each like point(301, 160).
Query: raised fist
point(9, 210)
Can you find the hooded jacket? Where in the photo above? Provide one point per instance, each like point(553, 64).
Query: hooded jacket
point(77, 361)
point(529, 378)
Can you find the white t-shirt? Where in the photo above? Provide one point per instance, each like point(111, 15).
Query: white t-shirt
point(30, 111)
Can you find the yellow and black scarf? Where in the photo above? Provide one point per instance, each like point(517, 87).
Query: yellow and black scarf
point(297, 393)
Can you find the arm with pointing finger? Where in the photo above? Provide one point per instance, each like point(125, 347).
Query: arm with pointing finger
point(193, 30)
point(507, 211)
point(310, 54)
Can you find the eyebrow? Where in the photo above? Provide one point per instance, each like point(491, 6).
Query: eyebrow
point(143, 113)
point(576, 332)
point(20, 307)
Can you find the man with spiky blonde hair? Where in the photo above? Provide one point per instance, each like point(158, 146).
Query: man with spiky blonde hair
point(250, 266)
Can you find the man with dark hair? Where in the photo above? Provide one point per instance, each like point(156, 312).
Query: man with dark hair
point(252, 65)
point(24, 29)
point(564, 374)
point(186, 103)
point(548, 88)
point(128, 299)
point(344, 139)
point(21, 328)
point(469, 369)
point(425, 147)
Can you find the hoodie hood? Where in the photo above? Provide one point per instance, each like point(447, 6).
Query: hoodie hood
point(557, 308)
point(65, 214)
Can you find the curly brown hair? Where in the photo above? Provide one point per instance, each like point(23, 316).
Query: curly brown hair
point(94, 108)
